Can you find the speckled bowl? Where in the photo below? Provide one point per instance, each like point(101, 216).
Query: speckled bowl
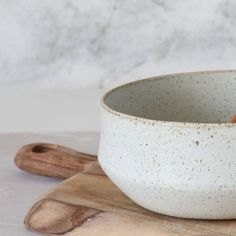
point(166, 143)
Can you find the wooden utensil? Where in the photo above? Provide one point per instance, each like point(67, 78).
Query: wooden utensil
point(232, 119)
point(90, 204)
point(55, 161)
point(93, 205)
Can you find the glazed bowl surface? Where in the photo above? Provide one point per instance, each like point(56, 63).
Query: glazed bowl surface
point(165, 142)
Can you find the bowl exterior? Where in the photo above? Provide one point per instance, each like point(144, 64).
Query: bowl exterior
point(180, 170)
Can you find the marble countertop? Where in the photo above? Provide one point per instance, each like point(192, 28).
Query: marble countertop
point(19, 190)
point(75, 44)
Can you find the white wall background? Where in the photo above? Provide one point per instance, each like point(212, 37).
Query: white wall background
point(74, 44)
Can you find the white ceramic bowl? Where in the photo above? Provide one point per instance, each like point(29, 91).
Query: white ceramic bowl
point(166, 143)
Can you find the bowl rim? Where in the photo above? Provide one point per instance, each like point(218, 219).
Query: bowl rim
point(164, 122)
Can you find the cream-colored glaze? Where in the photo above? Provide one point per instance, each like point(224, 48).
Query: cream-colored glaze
point(165, 142)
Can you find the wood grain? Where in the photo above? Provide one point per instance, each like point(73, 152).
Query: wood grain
point(55, 161)
point(96, 206)
point(53, 217)
point(90, 204)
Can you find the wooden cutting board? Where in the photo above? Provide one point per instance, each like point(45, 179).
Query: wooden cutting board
point(90, 204)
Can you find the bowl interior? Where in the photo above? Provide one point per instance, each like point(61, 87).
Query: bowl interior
point(203, 97)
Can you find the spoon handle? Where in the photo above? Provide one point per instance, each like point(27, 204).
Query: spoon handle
point(232, 119)
point(56, 161)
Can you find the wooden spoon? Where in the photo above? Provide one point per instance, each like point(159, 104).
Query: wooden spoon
point(56, 161)
point(232, 119)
